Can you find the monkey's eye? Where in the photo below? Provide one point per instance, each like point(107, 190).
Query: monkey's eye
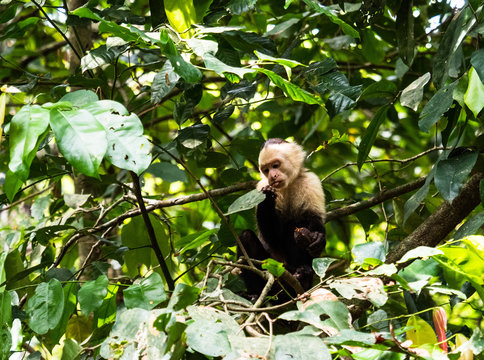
point(275, 166)
point(265, 171)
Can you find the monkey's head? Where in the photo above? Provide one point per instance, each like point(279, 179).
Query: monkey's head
point(281, 162)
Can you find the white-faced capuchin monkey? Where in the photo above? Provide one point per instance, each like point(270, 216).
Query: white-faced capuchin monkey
point(291, 218)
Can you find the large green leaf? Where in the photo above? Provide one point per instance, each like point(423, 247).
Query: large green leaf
point(370, 134)
point(92, 294)
point(5, 308)
point(45, 307)
point(163, 82)
point(451, 174)
point(27, 129)
point(181, 15)
point(474, 96)
point(246, 202)
point(81, 139)
point(290, 89)
point(295, 346)
point(183, 68)
point(477, 61)
point(436, 107)
point(208, 338)
point(80, 98)
point(146, 294)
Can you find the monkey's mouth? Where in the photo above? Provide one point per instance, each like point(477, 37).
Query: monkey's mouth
point(277, 184)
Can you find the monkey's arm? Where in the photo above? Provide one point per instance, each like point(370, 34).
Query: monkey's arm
point(268, 221)
point(311, 237)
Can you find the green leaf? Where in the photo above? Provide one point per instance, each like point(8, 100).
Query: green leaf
point(474, 96)
point(98, 57)
point(380, 90)
point(413, 93)
point(294, 346)
point(181, 15)
point(351, 337)
point(136, 238)
point(416, 199)
point(45, 307)
point(167, 172)
point(274, 267)
point(92, 294)
point(436, 107)
point(470, 227)
point(347, 29)
point(81, 139)
point(373, 249)
point(5, 308)
point(163, 82)
point(11, 185)
point(336, 310)
point(238, 7)
point(27, 130)
point(207, 49)
point(286, 62)
point(70, 302)
point(420, 332)
point(246, 202)
point(146, 294)
point(477, 62)
point(201, 8)
point(370, 134)
point(320, 265)
point(80, 98)
point(451, 173)
point(183, 296)
point(208, 338)
point(183, 68)
point(193, 136)
point(291, 90)
point(8, 13)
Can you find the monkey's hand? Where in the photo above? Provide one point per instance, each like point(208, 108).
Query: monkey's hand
point(269, 191)
point(312, 241)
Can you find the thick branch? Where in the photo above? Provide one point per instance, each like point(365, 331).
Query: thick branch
point(438, 225)
point(375, 200)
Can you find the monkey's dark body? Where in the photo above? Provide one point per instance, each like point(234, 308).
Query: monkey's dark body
point(280, 240)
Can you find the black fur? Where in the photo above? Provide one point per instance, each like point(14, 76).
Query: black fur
point(294, 239)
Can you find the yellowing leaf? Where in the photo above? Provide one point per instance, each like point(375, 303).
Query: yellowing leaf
point(181, 15)
point(421, 332)
point(474, 96)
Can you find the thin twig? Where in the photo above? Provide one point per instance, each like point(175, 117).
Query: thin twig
point(151, 232)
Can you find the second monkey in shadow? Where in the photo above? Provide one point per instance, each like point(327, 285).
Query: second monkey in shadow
point(291, 219)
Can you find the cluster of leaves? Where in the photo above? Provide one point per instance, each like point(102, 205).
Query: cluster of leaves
point(182, 96)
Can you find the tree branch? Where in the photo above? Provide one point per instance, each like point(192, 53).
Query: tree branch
point(438, 225)
point(375, 200)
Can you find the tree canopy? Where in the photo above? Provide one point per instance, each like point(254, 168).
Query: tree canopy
point(129, 144)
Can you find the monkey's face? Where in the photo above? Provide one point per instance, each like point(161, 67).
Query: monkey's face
point(279, 175)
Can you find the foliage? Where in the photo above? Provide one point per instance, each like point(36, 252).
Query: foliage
point(128, 168)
